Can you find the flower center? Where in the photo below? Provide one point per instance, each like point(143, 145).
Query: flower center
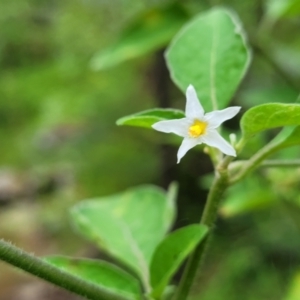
point(198, 128)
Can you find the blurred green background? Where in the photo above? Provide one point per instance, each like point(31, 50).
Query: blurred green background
point(59, 142)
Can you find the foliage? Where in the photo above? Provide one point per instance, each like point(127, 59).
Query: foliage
point(59, 142)
point(136, 242)
point(149, 32)
point(100, 272)
point(202, 53)
point(149, 117)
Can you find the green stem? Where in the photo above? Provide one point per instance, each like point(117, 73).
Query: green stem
point(192, 269)
point(40, 268)
point(283, 163)
point(254, 161)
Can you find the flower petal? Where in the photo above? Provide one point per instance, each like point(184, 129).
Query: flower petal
point(193, 107)
point(185, 146)
point(178, 126)
point(217, 117)
point(214, 139)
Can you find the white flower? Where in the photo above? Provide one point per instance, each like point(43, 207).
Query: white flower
point(197, 127)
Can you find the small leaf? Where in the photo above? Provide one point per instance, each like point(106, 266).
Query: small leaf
point(148, 117)
point(269, 116)
point(151, 31)
point(289, 136)
point(100, 273)
point(128, 226)
point(171, 253)
point(210, 53)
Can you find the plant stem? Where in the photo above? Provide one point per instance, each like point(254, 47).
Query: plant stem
point(283, 163)
point(255, 161)
point(209, 216)
point(42, 269)
point(220, 184)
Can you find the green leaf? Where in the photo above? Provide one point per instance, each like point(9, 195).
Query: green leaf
point(289, 136)
point(210, 53)
point(149, 32)
point(148, 117)
point(171, 253)
point(100, 273)
point(128, 225)
point(267, 116)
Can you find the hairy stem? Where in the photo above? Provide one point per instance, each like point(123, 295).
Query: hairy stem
point(193, 267)
point(254, 161)
point(281, 163)
point(40, 268)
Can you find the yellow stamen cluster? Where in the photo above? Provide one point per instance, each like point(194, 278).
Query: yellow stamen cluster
point(198, 128)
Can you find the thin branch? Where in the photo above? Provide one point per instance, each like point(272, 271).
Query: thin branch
point(42, 269)
point(193, 267)
point(254, 162)
point(282, 163)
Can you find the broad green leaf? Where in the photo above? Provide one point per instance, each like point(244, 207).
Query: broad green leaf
point(171, 253)
point(148, 117)
point(210, 52)
point(269, 116)
point(100, 273)
point(151, 31)
point(129, 225)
